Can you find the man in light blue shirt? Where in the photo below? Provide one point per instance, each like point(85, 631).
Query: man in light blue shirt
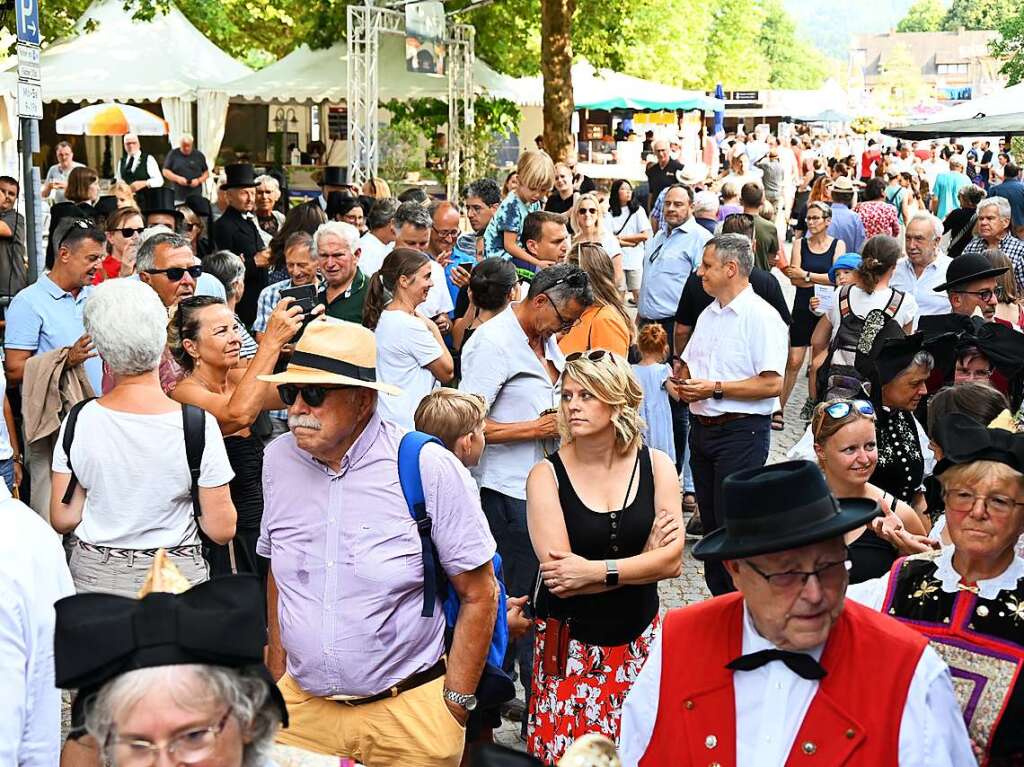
point(846, 225)
point(946, 193)
point(923, 268)
point(670, 257)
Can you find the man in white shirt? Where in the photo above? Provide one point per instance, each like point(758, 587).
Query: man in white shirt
point(918, 272)
point(33, 575)
point(412, 225)
point(788, 668)
point(137, 168)
point(56, 180)
point(379, 239)
point(731, 375)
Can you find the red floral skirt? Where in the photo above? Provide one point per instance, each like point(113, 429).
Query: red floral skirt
point(589, 698)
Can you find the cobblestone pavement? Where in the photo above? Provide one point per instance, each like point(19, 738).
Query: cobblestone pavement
point(689, 587)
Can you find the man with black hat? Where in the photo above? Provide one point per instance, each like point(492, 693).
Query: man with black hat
point(333, 179)
point(785, 669)
point(236, 230)
point(971, 286)
point(158, 208)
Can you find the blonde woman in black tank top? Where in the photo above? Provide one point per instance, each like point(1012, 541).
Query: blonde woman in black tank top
point(605, 522)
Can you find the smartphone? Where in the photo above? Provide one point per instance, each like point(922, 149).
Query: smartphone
point(549, 411)
point(304, 295)
point(464, 252)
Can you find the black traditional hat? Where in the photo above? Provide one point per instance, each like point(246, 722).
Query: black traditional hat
point(238, 175)
point(964, 440)
point(968, 268)
point(334, 175)
point(158, 200)
point(105, 205)
point(1002, 346)
point(218, 623)
point(780, 507)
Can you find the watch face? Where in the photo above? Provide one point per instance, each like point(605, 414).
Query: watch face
point(471, 703)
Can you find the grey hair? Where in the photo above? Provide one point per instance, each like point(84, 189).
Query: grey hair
point(554, 281)
point(1000, 203)
point(186, 137)
point(146, 257)
point(269, 181)
point(128, 324)
point(127, 136)
point(340, 229)
point(933, 221)
point(414, 214)
point(382, 213)
point(226, 267)
point(244, 693)
point(921, 359)
point(733, 247)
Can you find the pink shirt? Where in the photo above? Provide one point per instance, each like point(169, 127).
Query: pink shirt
point(346, 559)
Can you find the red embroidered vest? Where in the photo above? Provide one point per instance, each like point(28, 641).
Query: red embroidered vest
point(854, 718)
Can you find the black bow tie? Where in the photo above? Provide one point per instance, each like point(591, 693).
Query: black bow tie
point(799, 663)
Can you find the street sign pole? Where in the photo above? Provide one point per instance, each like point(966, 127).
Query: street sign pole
point(30, 111)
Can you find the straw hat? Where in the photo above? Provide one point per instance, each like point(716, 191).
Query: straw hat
point(334, 352)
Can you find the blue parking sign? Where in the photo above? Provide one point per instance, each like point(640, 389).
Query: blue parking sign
point(27, 13)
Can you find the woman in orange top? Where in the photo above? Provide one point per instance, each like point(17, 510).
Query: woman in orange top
point(605, 324)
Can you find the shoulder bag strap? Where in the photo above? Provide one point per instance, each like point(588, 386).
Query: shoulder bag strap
point(411, 480)
point(69, 437)
point(193, 422)
point(631, 214)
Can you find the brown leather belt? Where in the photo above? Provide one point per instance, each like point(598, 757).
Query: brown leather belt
point(718, 420)
point(409, 683)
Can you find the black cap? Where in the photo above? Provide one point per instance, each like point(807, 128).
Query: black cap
point(967, 268)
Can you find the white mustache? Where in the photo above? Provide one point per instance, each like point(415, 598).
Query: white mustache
point(304, 421)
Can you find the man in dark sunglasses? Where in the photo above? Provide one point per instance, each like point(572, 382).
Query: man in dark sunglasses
point(971, 284)
point(166, 263)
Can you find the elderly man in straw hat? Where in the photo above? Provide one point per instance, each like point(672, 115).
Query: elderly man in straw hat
point(363, 672)
point(783, 672)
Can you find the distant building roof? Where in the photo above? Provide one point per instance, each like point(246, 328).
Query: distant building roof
point(927, 49)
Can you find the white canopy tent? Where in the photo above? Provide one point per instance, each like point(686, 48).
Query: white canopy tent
point(1002, 102)
point(306, 75)
point(166, 59)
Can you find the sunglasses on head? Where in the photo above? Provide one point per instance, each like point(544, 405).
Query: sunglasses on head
point(843, 408)
point(79, 223)
point(312, 394)
point(177, 273)
point(593, 356)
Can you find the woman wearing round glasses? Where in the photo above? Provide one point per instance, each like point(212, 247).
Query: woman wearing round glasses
point(604, 518)
point(968, 599)
point(124, 226)
point(204, 340)
point(845, 444)
point(587, 224)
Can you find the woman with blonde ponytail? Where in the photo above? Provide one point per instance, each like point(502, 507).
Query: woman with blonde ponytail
point(410, 349)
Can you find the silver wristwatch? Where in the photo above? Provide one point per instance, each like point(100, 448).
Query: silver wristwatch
point(466, 700)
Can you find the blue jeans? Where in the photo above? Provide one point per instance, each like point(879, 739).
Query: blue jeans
point(7, 472)
point(507, 519)
point(715, 453)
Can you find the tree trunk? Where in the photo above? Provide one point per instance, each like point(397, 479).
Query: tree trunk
point(556, 67)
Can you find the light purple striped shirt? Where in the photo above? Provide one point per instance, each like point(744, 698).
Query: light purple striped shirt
point(346, 558)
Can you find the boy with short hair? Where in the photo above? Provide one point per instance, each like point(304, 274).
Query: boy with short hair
point(457, 419)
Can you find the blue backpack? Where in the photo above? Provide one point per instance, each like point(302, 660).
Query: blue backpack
point(435, 583)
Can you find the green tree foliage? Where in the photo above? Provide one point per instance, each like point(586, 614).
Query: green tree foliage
point(901, 84)
point(979, 14)
point(734, 45)
point(792, 61)
point(1010, 46)
point(923, 16)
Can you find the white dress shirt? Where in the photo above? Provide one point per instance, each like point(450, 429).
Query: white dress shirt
point(439, 298)
point(156, 178)
point(923, 288)
point(33, 575)
point(772, 701)
point(372, 253)
point(741, 340)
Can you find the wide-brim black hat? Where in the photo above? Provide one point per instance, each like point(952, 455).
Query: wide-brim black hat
point(158, 200)
point(105, 205)
point(218, 623)
point(966, 269)
point(334, 175)
point(780, 507)
point(239, 175)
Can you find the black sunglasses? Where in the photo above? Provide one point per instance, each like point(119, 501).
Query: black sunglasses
point(313, 394)
point(129, 231)
point(177, 273)
point(593, 356)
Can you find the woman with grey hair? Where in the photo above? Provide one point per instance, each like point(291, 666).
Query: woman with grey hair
point(128, 458)
point(230, 270)
point(269, 220)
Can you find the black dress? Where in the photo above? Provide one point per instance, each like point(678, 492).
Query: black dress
point(245, 454)
point(871, 556)
point(900, 468)
point(804, 319)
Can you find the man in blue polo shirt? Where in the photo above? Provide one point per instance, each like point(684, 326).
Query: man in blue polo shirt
point(47, 315)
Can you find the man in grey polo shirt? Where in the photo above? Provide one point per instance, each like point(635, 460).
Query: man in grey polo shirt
point(514, 363)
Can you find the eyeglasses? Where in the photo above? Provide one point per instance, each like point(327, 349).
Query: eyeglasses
point(177, 273)
point(592, 211)
point(829, 575)
point(313, 394)
point(188, 748)
point(593, 356)
point(841, 409)
point(190, 227)
point(809, 219)
point(446, 234)
point(973, 375)
point(129, 231)
point(985, 295)
point(962, 501)
point(564, 324)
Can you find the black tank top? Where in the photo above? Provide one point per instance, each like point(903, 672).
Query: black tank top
point(245, 454)
point(616, 617)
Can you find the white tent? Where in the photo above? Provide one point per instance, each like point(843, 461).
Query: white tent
point(166, 60)
point(306, 75)
point(1002, 102)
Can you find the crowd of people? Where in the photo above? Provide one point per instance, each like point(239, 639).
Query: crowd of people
point(335, 475)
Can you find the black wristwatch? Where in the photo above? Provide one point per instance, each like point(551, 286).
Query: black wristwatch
point(611, 575)
point(718, 393)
